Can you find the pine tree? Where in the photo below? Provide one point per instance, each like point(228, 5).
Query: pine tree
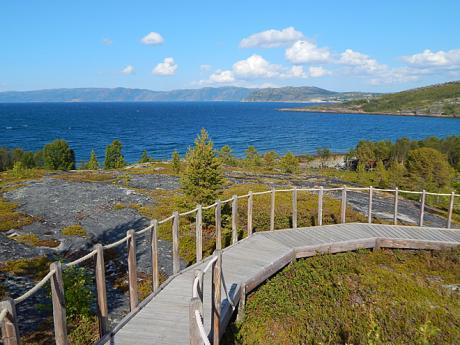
point(113, 157)
point(176, 162)
point(202, 178)
point(92, 164)
point(145, 158)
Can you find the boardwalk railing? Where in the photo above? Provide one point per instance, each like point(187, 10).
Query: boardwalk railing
point(9, 320)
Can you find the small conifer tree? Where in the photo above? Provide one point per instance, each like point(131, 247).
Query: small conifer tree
point(113, 157)
point(289, 163)
point(176, 162)
point(202, 178)
point(145, 158)
point(92, 164)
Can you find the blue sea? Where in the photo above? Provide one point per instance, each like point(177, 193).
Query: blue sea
point(163, 127)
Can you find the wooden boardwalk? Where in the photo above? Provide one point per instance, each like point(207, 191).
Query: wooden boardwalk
point(164, 318)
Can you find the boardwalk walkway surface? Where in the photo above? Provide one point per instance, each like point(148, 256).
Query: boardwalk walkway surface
point(164, 318)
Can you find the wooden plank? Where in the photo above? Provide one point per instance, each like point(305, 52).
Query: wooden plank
point(199, 233)
point(102, 308)
point(132, 270)
point(9, 325)
point(235, 219)
point(250, 205)
point(294, 208)
point(154, 255)
point(331, 248)
point(175, 238)
point(272, 209)
point(58, 301)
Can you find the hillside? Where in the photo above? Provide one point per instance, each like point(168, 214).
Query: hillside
point(433, 100)
point(229, 93)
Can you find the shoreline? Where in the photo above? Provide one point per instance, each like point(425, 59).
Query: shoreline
point(350, 111)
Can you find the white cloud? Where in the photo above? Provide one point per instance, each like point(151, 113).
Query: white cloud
point(271, 38)
point(106, 41)
point(152, 38)
point(360, 61)
point(428, 58)
point(167, 67)
point(317, 71)
point(256, 66)
point(129, 69)
point(303, 51)
point(221, 77)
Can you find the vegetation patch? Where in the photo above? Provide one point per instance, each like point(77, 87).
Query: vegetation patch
point(383, 297)
point(35, 268)
point(74, 230)
point(10, 218)
point(35, 241)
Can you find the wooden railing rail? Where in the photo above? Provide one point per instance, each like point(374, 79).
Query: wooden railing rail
point(8, 321)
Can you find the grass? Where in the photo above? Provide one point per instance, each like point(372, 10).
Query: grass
point(86, 176)
point(35, 268)
point(74, 230)
point(383, 297)
point(10, 218)
point(35, 241)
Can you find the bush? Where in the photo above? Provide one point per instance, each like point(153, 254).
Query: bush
point(289, 163)
point(270, 159)
point(78, 293)
point(113, 156)
point(202, 178)
point(145, 158)
point(176, 162)
point(226, 155)
point(57, 155)
point(252, 156)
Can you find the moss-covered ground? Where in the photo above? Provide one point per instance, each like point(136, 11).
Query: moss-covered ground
point(383, 297)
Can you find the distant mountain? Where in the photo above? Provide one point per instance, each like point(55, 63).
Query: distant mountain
point(230, 93)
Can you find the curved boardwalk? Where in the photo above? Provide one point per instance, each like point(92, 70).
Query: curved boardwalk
point(164, 318)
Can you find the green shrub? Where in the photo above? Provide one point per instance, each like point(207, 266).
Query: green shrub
point(289, 163)
point(78, 294)
point(74, 230)
point(145, 158)
point(176, 165)
point(57, 155)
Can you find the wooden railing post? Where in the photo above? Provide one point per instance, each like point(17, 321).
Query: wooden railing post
point(216, 297)
point(422, 208)
point(9, 325)
point(272, 210)
point(199, 233)
point(175, 238)
point(195, 337)
point(235, 219)
point(395, 213)
point(451, 210)
point(242, 303)
point(250, 202)
point(58, 300)
point(154, 255)
point(320, 205)
point(132, 270)
point(343, 208)
point(369, 211)
point(294, 208)
point(218, 211)
point(102, 308)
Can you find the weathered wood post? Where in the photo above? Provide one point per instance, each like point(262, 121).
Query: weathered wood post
point(235, 219)
point(343, 207)
point(218, 213)
point(216, 297)
point(272, 210)
point(320, 205)
point(250, 202)
point(395, 213)
point(294, 208)
point(195, 337)
point(175, 238)
point(154, 255)
point(242, 303)
point(102, 308)
point(199, 233)
point(422, 208)
point(369, 211)
point(132, 270)
point(9, 325)
point(58, 300)
point(451, 210)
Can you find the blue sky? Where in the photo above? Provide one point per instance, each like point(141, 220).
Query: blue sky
point(339, 45)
